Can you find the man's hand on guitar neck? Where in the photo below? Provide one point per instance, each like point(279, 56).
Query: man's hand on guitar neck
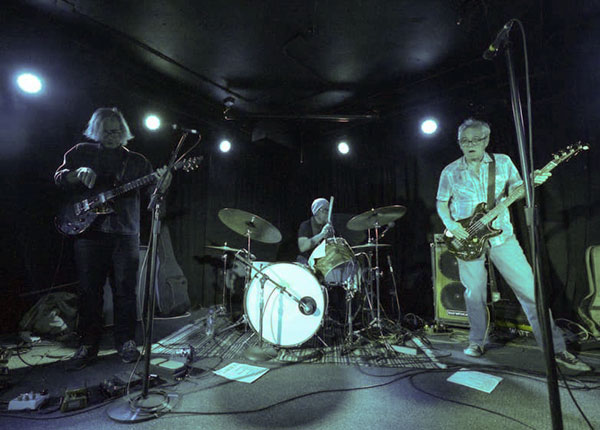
point(457, 230)
point(540, 177)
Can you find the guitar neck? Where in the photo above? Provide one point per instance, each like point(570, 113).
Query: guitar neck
point(513, 196)
point(140, 182)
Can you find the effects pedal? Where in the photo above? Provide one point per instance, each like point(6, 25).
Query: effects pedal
point(28, 401)
point(74, 400)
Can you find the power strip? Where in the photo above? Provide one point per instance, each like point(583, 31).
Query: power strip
point(26, 401)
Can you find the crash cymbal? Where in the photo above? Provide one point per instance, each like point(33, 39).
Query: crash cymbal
point(248, 224)
point(376, 217)
point(223, 248)
point(371, 246)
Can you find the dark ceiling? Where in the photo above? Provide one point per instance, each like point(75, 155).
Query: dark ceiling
point(327, 61)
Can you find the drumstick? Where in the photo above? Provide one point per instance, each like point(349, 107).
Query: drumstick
point(330, 209)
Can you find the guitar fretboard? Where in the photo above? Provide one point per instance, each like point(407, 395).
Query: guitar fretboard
point(140, 182)
point(515, 195)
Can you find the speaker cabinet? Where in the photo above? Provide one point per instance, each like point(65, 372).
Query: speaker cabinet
point(448, 292)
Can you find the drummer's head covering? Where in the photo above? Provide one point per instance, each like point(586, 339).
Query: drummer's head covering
point(318, 204)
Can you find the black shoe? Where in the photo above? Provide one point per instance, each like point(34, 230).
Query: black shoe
point(129, 352)
point(567, 360)
point(84, 356)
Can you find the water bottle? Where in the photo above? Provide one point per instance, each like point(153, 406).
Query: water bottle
point(210, 323)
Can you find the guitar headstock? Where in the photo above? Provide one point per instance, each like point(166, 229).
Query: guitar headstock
point(189, 164)
point(570, 151)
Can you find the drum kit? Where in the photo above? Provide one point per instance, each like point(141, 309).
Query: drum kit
point(286, 303)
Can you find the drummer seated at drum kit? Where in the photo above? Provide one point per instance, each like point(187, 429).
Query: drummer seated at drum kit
point(312, 231)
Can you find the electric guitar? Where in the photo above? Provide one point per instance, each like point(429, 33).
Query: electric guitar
point(76, 216)
point(479, 225)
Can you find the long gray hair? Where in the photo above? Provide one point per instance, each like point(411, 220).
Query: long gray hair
point(94, 127)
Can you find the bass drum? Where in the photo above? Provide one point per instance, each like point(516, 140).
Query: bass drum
point(283, 323)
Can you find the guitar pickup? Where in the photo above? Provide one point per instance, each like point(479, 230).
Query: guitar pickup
point(81, 207)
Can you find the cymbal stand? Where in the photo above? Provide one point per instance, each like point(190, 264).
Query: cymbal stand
point(369, 283)
point(224, 258)
point(395, 292)
point(377, 321)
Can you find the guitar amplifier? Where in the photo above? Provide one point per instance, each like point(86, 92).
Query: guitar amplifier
point(448, 292)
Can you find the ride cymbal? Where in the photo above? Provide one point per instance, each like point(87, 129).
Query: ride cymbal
point(376, 217)
point(251, 225)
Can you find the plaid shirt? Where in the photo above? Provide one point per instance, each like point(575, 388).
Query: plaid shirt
point(464, 190)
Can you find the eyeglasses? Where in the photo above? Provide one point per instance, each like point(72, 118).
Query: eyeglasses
point(474, 142)
point(110, 132)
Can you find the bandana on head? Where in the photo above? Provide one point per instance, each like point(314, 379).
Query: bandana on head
point(318, 204)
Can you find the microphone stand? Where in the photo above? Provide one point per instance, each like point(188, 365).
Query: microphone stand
point(531, 217)
point(149, 404)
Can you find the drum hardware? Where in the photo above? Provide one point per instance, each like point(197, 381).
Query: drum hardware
point(375, 219)
point(395, 290)
point(224, 258)
point(371, 245)
point(261, 353)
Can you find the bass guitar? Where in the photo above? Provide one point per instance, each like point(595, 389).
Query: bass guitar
point(479, 225)
point(75, 217)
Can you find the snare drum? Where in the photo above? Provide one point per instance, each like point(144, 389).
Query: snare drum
point(283, 323)
point(333, 260)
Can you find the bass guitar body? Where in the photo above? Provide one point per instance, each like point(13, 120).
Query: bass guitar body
point(479, 233)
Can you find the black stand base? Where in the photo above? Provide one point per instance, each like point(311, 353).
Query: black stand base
point(260, 353)
point(136, 408)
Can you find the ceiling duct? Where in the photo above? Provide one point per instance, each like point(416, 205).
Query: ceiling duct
point(275, 132)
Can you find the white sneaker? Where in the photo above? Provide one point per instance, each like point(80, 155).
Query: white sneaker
point(474, 350)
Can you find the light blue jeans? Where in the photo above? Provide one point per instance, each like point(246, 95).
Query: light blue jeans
point(510, 261)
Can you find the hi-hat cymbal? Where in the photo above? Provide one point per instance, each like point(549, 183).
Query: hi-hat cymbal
point(371, 246)
point(248, 224)
point(223, 248)
point(376, 217)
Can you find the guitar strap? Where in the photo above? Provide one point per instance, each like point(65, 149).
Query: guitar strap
point(491, 190)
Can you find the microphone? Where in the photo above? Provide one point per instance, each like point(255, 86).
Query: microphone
point(390, 264)
point(387, 228)
point(500, 40)
point(184, 129)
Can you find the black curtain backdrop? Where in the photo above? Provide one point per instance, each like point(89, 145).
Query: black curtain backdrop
point(390, 163)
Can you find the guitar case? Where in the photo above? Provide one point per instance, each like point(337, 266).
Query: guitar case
point(589, 306)
point(172, 297)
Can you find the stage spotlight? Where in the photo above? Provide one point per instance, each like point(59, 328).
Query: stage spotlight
point(225, 146)
point(343, 148)
point(152, 122)
point(429, 126)
point(29, 83)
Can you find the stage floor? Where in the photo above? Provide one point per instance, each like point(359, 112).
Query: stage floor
point(367, 386)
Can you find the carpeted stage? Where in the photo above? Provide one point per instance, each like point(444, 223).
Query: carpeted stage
point(323, 384)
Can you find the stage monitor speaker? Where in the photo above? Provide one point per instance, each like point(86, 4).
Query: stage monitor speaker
point(448, 292)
